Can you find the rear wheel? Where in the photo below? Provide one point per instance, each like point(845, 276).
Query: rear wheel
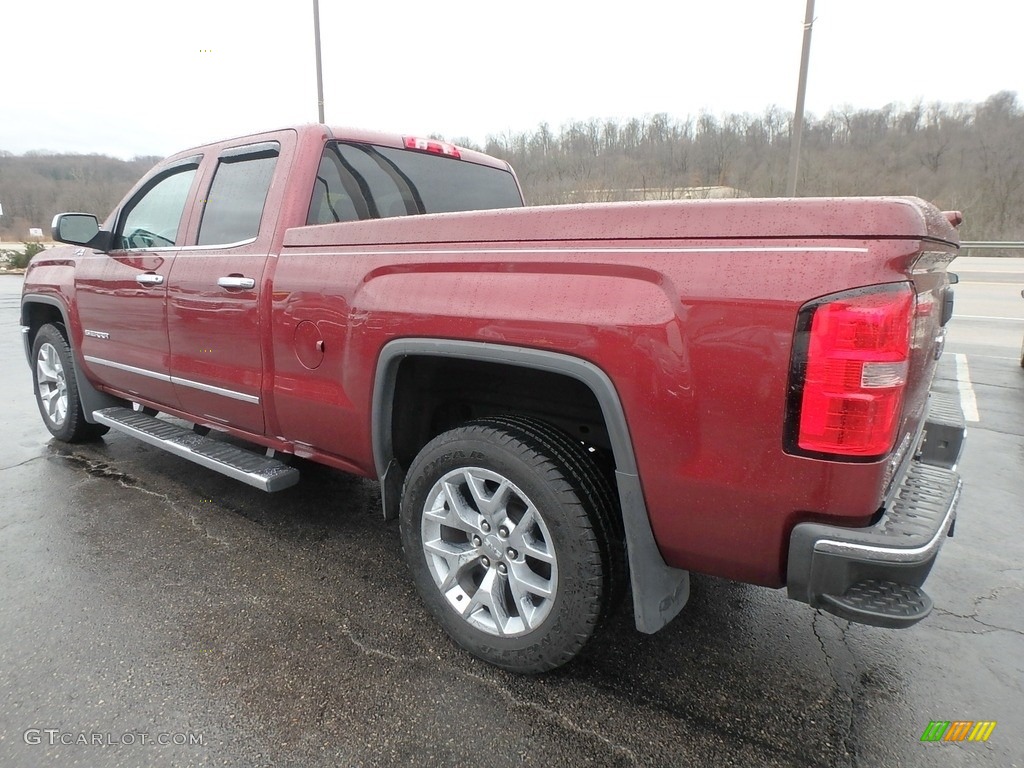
point(56, 388)
point(507, 542)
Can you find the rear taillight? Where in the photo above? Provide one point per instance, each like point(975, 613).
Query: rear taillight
point(849, 373)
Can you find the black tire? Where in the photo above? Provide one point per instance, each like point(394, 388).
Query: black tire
point(599, 496)
point(530, 597)
point(56, 387)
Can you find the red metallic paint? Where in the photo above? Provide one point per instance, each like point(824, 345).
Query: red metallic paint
point(688, 307)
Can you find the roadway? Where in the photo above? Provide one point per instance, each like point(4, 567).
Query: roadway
point(143, 595)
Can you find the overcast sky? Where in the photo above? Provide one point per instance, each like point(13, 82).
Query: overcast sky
point(147, 78)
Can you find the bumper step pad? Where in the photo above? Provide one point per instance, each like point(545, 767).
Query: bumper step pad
point(880, 603)
point(248, 466)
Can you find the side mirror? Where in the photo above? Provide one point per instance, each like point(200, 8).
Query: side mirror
point(80, 229)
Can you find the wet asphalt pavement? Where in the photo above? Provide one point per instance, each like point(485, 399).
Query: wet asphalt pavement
point(147, 599)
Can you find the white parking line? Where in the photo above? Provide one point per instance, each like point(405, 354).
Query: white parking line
point(996, 282)
point(967, 399)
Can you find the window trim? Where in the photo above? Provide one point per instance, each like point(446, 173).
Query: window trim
point(250, 151)
point(218, 246)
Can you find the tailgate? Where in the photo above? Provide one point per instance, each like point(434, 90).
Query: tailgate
point(932, 312)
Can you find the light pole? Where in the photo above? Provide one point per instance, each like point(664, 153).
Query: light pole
point(798, 117)
point(319, 71)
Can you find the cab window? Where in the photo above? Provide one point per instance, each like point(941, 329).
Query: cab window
point(234, 205)
point(152, 218)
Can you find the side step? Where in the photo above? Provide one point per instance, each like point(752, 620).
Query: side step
point(249, 467)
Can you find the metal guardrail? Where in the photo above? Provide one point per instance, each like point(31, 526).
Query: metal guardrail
point(991, 245)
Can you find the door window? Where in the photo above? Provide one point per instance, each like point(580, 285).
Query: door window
point(234, 206)
point(152, 219)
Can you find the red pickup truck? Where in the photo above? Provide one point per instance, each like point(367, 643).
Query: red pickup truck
point(560, 403)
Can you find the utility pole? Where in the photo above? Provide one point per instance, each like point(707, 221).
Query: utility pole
point(319, 70)
point(798, 117)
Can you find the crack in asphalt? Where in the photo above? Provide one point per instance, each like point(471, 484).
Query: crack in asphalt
point(955, 631)
point(103, 470)
point(23, 463)
point(850, 741)
point(973, 617)
point(975, 609)
point(552, 716)
point(845, 687)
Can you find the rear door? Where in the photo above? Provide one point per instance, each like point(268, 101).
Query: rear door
point(216, 285)
point(120, 295)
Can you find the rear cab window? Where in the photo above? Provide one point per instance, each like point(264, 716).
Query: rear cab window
point(233, 208)
point(357, 181)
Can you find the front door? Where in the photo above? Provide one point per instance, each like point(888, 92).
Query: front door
point(120, 295)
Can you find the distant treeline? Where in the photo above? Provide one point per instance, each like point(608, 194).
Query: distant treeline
point(35, 186)
point(967, 157)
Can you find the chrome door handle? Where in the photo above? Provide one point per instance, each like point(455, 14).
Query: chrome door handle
point(148, 278)
point(236, 282)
